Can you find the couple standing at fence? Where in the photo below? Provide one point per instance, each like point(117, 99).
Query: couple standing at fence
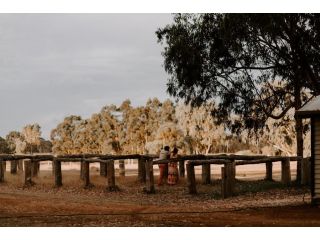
point(171, 167)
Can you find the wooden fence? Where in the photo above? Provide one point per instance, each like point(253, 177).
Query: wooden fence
point(85, 159)
point(145, 168)
point(228, 171)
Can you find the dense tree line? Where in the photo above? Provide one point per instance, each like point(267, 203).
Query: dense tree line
point(128, 129)
point(146, 129)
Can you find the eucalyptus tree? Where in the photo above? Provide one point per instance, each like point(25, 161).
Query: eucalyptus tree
point(133, 126)
point(16, 142)
point(4, 148)
point(198, 123)
point(64, 135)
point(152, 112)
point(45, 146)
point(110, 129)
point(32, 134)
point(234, 59)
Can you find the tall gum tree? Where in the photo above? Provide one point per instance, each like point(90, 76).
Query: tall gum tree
point(235, 59)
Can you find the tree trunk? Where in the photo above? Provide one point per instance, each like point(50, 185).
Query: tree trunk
point(208, 149)
point(299, 136)
point(299, 132)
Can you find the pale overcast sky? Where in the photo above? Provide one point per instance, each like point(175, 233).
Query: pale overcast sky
point(54, 65)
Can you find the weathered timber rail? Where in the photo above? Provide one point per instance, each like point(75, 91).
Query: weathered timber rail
point(85, 159)
point(228, 171)
point(145, 168)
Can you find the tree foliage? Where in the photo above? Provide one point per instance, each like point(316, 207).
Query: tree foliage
point(4, 148)
point(28, 140)
point(126, 129)
point(256, 66)
point(31, 134)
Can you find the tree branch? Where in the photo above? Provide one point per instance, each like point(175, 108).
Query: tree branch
point(269, 114)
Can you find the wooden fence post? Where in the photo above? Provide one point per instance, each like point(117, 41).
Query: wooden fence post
point(305, 171)
point(57, 173)
point(298, 178)
point(35, 168)
point(206, 173)
point(28, 172)
point(285, 171)
point(149, 176)
point(20, 165)
point(232, 176)
point(141, 170)
point(122, 168)
point(181, 168)
point(103, 169)
point(52, 167)
point(228, 180)
point(191, 178)
point(224, 189)
point(111, 177)
point(13, 166)
point(82, 170)
point(269, 166)
point(86, 174)
point(2, 170)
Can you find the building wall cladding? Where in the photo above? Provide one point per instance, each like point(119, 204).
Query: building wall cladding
point(316, 158)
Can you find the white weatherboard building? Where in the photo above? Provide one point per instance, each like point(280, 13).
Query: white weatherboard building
point(312, 110)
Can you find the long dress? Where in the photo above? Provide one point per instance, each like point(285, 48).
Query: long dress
point(173, 175)
point(164, 166)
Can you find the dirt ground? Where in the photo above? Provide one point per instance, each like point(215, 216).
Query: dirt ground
point(257, 203)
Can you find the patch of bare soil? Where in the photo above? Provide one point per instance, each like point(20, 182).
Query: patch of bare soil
point(257, 203)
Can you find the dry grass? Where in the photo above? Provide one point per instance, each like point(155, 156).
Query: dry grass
point(73, 205)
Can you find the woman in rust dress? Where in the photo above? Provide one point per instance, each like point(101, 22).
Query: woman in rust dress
point(173, 175)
